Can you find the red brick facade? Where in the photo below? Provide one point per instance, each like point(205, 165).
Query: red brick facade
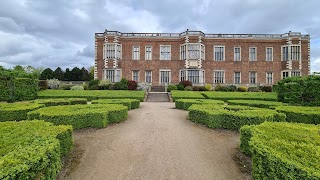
point(296, 64)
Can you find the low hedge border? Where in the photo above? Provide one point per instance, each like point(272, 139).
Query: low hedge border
point(256, 103)
point(233, 118)
point(282, 150)
point(92, 94)
point(301, 114)
point(16, 111)
point(82, 116)
point(33, 149)
point(224, 96)
point(60, 101)
point(186, 95)
point(186, 103)
point(130, 103)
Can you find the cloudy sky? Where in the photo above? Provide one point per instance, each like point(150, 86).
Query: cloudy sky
point(52, 33)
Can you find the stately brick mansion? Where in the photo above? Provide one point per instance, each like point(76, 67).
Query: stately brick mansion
point(168, 58)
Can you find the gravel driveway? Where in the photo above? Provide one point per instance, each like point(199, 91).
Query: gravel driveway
point(156, 142)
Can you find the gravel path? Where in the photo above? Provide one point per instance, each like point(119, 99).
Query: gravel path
point(156, 142)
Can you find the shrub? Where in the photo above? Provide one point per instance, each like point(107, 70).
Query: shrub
point(180, 87)
point(229, 118)
point(185, 83)
point(33, 149)
point(130, 103)
point(43, 85)
point(188, 88)
point(53, 83)
point(300, 90)
point(220, 87)
point(186, 103)
point(195, 88)
point(282, 150)
point(92, 94)
point(240, 95)
point(18, 89)
point(171, 87)
point(231, 88)
point(64, 86)
point(186, 95)
point(301, 114)
point(82, 116)
point(77, 87)
point(208, 87)
point(256, 103)
point(132, 85)
point(17, 111)
point(242, 89)
point(104, 84)
point(253, 89)
point(60, 101)
point(266, 88)
point(93, 84)
point(199, 88)
point(119, 86)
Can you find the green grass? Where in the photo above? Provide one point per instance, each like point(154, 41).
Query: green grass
point(92, 94)
point(186, 95)
point(186, 103)
point(266, 96)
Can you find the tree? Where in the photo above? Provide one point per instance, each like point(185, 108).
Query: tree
point(34, 72)
point(91, 72)
point(76, 74)
point(67, 75)
point(85, 75)
point(58, 74)
point(46, 74)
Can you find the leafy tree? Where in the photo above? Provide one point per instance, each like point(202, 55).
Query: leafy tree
point(85, 75)
point(67, 75)
point(76, 74)
point(35, 72)
point(91, 72)
point(46, 74)
point(58, 74)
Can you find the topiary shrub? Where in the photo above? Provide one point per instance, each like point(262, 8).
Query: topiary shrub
point(188, 88)
point(253, 89)
point(180, 87)
point(185, 83)
point(242, 89)
point(220, 87)
point(104, 84)
point(266, 88)
point(43, 85)
point(231, 88)
point(119, 86)
point(208, 87)
point(132, 85)
point(17, 111)
point(77, 87)
point(93, 84)
point(195, 88)
point(171, 87)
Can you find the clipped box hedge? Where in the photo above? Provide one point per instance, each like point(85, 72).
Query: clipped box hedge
point(301, 114)
point(186, 103)
point(282, 150)
point(256, 103)
point(18, 89)
point(233, 118)
point(60, 101)
point(16, 111)
point(32, 149)
point(92, 94)
point(186, 95)
point(266, 96)
point(130, 103)
point(82, 116)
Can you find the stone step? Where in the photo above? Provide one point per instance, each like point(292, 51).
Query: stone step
point(158, 97)
point(158, 89)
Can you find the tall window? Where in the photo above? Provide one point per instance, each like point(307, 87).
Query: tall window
point(269, 54)
point(148, 54)
point(295, 73)
point(113, 75)
point(136, 53)
point(218, 53)
point(148, 76)
point(194, 76)
point(135, 75)
point(285, 74)
point(291, 52)
point(237, 77)
point(112, 51)
point(183, 75)
point(269, 78)
point(165, 52)
point(165, 76)
point(252, 77)
point(193, 51)
point(218, 77)
point(237, 54)
point(252, 54)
